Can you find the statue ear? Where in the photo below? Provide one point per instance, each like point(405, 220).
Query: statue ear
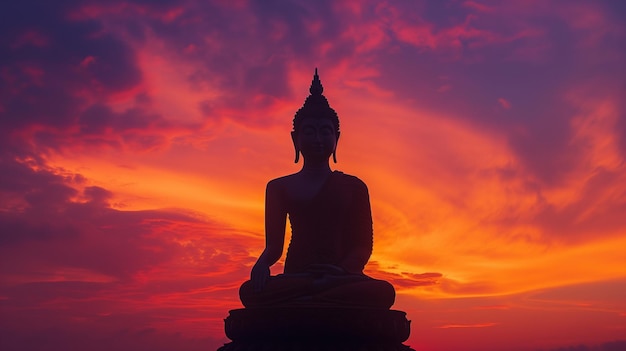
point(335, 151)
point(294, 139)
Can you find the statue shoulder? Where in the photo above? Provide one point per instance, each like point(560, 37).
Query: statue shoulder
point(280, 183)
point(352, 180)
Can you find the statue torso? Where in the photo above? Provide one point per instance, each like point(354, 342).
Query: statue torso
point(326, 222)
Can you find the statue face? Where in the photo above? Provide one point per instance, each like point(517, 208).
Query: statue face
point(316, 138)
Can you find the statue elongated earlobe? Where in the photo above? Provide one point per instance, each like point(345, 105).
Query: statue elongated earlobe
point(295, 146)
point(335, 150)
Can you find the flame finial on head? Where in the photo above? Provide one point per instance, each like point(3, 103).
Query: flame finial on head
point(316, 85)
point(316, 105)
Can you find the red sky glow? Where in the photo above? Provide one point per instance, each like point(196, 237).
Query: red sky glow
point(137, 138)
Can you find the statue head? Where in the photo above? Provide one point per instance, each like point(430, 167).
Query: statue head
point(315, 109)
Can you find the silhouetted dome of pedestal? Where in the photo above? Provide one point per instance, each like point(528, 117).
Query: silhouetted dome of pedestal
point(316, 328)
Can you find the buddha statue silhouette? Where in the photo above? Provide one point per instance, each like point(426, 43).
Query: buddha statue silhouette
point(331, 224)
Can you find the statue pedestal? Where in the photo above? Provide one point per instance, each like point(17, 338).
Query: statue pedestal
point(316, 328)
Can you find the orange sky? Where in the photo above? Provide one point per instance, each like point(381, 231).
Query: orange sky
point(138, 139)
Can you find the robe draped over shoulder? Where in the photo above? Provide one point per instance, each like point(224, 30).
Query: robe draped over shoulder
point(332, 227)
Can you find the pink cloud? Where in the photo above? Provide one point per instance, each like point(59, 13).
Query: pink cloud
point(459, 40)
point(593, 24)
point(87, 61)
point(504, 103)
point(31, 37)
point(481, 7)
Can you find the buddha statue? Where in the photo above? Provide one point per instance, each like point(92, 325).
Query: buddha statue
point(331, 223)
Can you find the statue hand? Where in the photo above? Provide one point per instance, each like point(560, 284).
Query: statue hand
point(259, 275)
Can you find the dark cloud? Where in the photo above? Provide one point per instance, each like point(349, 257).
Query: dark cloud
point(295, 16)
point(107, 61)
point(249, 63)
point(543, 142)
point(112, 63)
point(85, 234)
point(92, 236)
point(78, 273)
point(49, 106)
point(54, 65)
point(59, 60)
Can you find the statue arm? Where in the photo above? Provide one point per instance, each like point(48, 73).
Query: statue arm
point(275, 221)
point(360, 238)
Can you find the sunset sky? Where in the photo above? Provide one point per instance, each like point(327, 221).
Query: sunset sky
point(136, 139)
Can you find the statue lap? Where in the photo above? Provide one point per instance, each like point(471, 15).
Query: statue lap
point(328, 290)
